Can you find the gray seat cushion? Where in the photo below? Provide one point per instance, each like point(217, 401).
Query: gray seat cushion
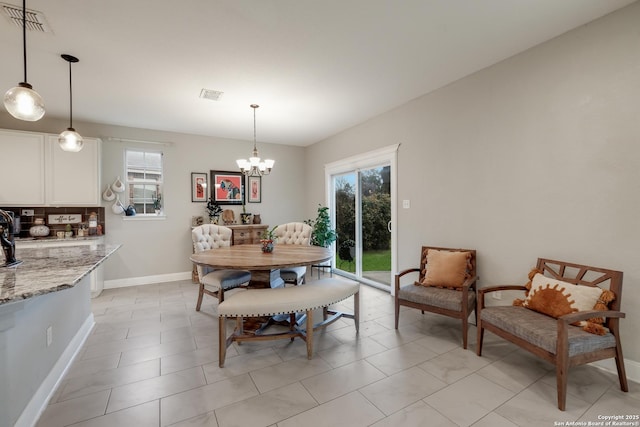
point(448, 299)
point(292, 273)
point(227, 279)
point(541, 330)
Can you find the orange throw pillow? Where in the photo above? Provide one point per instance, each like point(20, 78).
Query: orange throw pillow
point(446, 269)
point(556, 298)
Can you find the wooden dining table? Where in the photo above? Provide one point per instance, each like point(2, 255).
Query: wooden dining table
point(264, 267)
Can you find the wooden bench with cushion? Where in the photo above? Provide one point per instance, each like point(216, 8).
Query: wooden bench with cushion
point(569, 317)
point(272, 302)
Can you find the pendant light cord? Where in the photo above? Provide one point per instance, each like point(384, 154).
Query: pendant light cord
point(70, 99)
point(254, 128)
point(24, 38)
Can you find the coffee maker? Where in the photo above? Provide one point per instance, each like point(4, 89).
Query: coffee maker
point(6, 238)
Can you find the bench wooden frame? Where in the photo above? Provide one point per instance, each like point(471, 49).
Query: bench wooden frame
point(576, 274)
point(288, 300)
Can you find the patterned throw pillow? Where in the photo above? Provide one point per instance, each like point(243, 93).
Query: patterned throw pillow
point(556, 298)
point(446, 269)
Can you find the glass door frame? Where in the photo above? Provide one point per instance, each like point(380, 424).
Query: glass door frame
point(385, 156)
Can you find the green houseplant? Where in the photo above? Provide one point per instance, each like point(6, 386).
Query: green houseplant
point(213, 210)
point(157, 203)
point(322, 233)
point(267, 238)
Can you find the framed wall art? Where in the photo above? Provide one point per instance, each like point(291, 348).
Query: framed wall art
point(227, 188)
point(254, 188)
point(198, 187)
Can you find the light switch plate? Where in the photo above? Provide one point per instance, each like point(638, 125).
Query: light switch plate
point(406, 204)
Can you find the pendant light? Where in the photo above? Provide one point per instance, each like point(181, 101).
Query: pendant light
point(254, 166)
point(70, 140)
point(22, 102)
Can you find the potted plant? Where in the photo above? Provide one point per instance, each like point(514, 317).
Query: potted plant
point(244, 216)
point(266, 240)
point(157, 203)
point(346, 251)
point(322, 233)
point(213, 211)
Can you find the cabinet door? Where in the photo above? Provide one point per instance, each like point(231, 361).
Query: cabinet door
point(22, 170)
point(73, 178)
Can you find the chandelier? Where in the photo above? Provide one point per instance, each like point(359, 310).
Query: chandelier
point(255, 166)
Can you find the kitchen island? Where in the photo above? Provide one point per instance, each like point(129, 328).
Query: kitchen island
point(45, 317)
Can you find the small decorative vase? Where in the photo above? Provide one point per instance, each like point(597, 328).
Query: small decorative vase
point(214, 219)
point(267, 246)
point(245, 218)
point(257, 219)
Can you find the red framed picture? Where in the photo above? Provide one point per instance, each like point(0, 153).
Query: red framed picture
point(254, 186)
point(227, 188)
point(199, 187)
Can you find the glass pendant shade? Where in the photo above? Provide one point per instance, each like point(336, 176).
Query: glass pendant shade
point(70, 140)
point(24, 103)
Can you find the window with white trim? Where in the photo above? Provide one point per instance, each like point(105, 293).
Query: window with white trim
point(144, 176)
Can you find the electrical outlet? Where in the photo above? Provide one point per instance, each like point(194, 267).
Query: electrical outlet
point(49, 335)
point(406, 204)
point(497, 294)
point(27, 212)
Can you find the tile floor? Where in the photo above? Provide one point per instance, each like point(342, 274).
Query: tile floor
point(152, 360)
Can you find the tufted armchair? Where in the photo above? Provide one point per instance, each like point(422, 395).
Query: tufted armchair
point(215, 282)
point(293, 233)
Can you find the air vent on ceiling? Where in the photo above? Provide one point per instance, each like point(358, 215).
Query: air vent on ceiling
point(35, 20)
point(213, 95)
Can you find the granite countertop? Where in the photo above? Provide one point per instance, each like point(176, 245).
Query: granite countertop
point(50, 269)
point(53, 239)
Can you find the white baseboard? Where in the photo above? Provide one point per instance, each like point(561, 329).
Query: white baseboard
point(146, 280)
point(41, 397)
point(631, 367)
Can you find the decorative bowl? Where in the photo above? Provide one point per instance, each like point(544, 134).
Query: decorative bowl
point(39, 231)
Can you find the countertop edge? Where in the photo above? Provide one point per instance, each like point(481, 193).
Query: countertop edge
point(33, 290)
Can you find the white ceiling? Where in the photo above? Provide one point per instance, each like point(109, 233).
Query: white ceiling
point(315, 67)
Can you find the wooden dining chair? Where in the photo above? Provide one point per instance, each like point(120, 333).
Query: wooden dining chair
point(212, 281)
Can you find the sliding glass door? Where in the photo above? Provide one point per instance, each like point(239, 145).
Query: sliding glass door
point(363, 208)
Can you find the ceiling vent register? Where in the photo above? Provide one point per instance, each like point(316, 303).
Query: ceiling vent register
point(35, 20)
point(213, 95)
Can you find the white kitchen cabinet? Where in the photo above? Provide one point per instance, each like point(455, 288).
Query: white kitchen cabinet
point(73, 178)
point(35, 171)
point(22, 172)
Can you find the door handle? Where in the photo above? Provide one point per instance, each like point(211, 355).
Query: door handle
point(389, 226)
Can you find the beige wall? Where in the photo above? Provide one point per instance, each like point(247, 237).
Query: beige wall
point(538, 155)
point(535, 156)
point(162, 247)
